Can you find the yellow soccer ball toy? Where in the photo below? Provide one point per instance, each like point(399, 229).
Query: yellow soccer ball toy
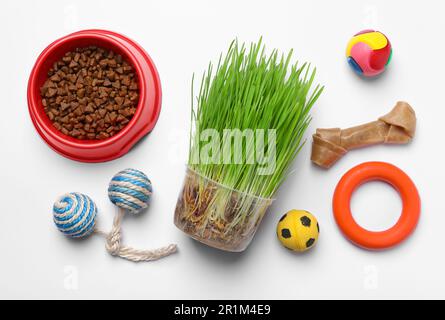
point(298, 230)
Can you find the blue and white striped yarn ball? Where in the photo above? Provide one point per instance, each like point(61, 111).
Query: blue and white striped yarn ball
point(75, 215)
point(130, 189)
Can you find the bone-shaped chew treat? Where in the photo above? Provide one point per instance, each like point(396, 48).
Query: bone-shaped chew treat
point(396, 127)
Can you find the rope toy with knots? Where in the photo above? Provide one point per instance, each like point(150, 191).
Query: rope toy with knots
point(130, 190)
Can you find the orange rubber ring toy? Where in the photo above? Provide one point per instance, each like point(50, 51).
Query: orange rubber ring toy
point(388, 173)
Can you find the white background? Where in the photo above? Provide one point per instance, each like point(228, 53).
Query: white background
point(36, 261)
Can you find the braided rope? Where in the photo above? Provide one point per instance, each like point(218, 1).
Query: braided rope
point(114, 244)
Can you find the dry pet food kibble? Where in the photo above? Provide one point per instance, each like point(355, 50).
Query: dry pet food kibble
point(91, 93)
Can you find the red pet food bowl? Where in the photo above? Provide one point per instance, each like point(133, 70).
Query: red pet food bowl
point(143, 121)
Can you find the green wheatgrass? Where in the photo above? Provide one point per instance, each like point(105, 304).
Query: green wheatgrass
point(252, 90)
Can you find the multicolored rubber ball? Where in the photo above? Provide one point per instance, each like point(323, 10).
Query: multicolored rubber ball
point(369, 53)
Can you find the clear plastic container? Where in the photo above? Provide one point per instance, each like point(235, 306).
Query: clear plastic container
point(216, 215)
